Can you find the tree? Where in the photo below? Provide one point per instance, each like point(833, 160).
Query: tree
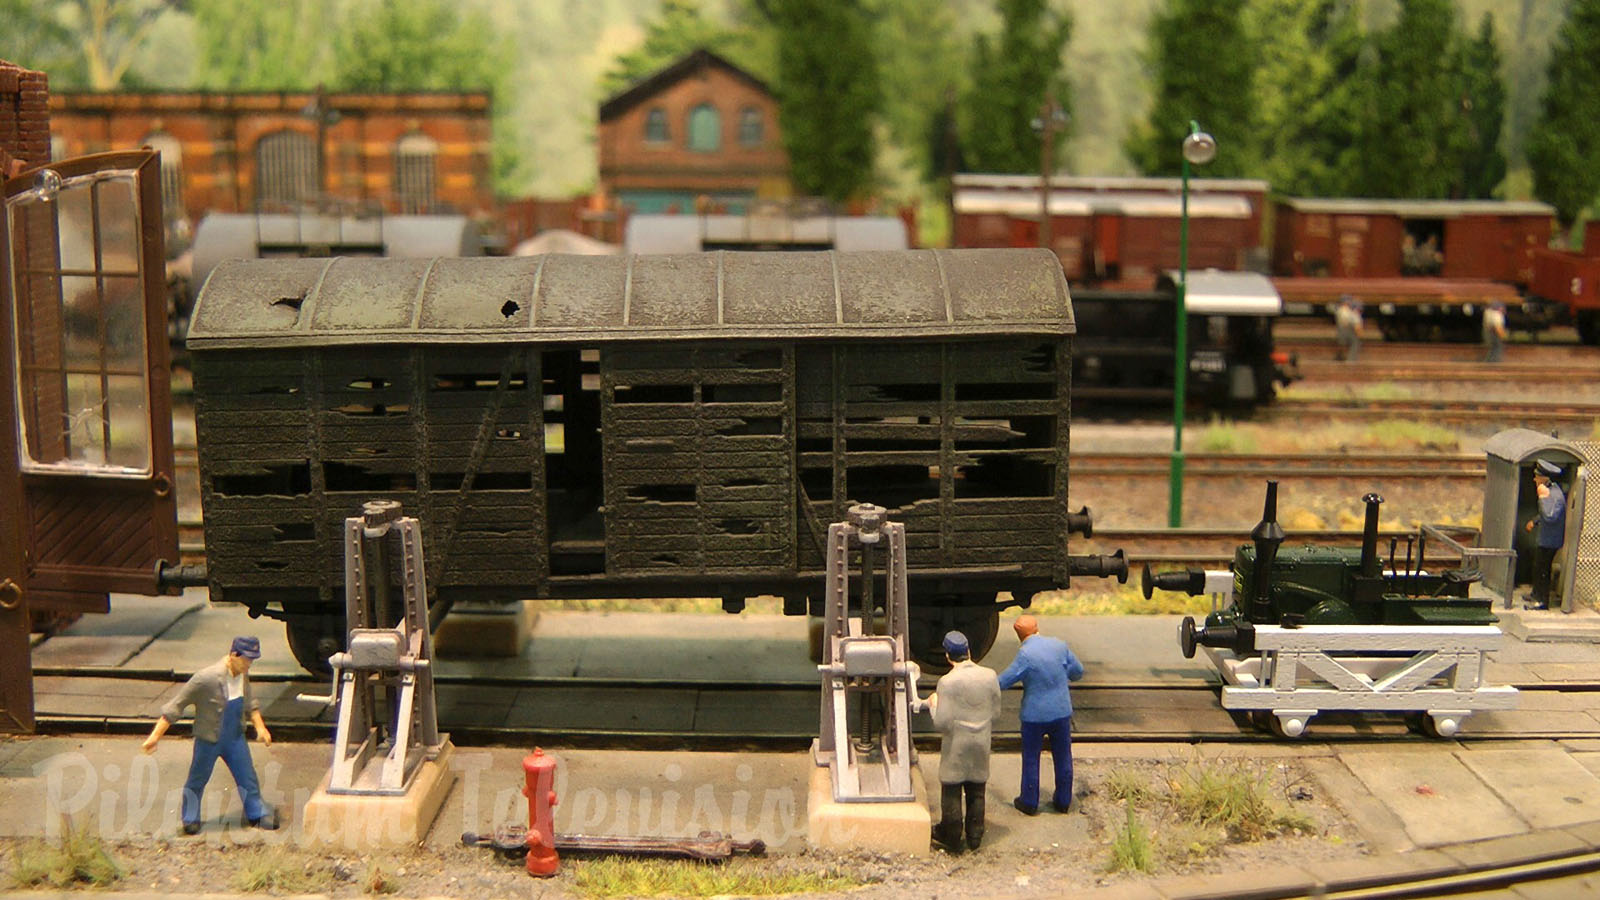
point(79, 43)
point(1203, 66)
point(920, 62)
point(34, 36)
point(1483, 100)
point(828, 95)
point(1011, 76)
point(681, 29)
point(1415, 138)
point(1564, 145)
point(277, 46)
point(1303, 81)
point(416, 45)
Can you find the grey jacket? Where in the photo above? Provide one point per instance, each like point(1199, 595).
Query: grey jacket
point(969, 700)
point(207, 692)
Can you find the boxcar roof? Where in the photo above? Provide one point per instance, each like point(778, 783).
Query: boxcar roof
point(559, 298)
point(1418, 209)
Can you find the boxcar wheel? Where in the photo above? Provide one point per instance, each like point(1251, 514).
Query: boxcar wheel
point(312, 642)
point(980, 624)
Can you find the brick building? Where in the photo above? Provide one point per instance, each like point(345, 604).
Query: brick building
point(238, 152)
point(24, 118)
point(700, 132)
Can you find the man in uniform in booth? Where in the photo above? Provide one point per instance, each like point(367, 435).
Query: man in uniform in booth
point(1551, 523)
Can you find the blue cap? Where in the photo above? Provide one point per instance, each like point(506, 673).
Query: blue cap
point(1547, 468)
point(955, 644)
point(247, 647)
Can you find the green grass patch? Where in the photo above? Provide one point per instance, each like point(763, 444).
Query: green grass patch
point(1131, 850)
point(81, 858)
point(275, 870)
point(616, 876)
point(1225, 437)
point(1235, 796)
point(1392, 434)
point(1130, 785)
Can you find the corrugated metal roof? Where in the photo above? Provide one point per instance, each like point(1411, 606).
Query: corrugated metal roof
point(1518, 445)
point(1109, 183)
point(560, 298)
point(1418, 209)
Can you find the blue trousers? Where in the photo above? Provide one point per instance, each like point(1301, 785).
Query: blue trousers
point(235, 753)
point(1033, 735)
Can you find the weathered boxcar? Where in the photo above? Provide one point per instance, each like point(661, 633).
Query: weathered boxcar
point(570, 426)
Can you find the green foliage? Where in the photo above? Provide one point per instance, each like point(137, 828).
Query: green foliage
point(920, 63)
point(1234, 795)
point(1130, 849)
point(80, 859)
point(1414, 136)
point(1203, 64)
point(681, 29)
point(1225, 437)
point(1305, 85)
point(828, 93)
point(1012, 75)
point(415, 45)
point(1564, 145)
point(1483, 94)
point(35, 36)
point(1129, 785)
point(281, 46)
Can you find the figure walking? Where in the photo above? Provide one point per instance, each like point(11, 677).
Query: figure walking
point(1552, 525)
point(1044, 666)
point(1347, 328)
point(964, 706)
point(222, 698)
point(1494, 332)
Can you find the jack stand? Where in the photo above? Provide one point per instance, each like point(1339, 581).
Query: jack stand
point(871, 795)
point(390, 767)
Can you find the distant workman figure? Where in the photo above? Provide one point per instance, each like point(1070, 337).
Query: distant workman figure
point(964, 706)
point(1494, 332)
point(1552, 525)
point(1347, 328)
point(1043, 667)
point(222, 698)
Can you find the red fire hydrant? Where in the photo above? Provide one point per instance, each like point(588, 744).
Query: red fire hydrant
point(540, 791)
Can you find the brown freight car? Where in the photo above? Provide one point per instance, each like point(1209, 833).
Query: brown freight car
point(659, 426)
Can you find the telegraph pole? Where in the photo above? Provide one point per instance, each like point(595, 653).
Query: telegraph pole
point(1051, 119)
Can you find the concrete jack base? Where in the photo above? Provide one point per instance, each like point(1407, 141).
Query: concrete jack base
point(367, 822)
point(904, 827)
point(494, 630)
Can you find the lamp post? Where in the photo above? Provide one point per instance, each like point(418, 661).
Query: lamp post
point(1199, 148)
point(1051, 119)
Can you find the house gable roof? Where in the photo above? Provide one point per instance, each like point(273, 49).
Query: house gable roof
point(648, 87)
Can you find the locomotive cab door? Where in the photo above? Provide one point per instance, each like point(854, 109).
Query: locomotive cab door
point(86, 489)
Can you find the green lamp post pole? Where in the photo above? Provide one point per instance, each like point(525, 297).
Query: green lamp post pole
point(1199, 148)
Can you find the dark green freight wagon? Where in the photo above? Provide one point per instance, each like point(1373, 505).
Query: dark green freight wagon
point(639, 426)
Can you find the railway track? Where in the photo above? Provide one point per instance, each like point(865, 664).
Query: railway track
point(676, 713)
point(1444, 372)
point(1447, 412)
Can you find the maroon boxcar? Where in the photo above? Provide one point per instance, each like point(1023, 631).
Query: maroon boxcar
point(1116, 230)
point(1359, 238)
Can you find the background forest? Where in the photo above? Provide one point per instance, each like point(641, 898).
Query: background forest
point(1318, 96)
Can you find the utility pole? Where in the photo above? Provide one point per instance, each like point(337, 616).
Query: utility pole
point(1051, 119)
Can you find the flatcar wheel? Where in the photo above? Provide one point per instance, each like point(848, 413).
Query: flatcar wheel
point(312, 644)
point(1288, 726)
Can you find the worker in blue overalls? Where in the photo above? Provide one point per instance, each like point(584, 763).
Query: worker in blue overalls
point(221, 697)
point(1552, 530)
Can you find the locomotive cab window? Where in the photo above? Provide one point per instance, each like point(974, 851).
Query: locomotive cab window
point(79, 330)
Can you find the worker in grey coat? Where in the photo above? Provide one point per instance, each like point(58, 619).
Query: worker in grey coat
point(964, 707)
point(222, 701)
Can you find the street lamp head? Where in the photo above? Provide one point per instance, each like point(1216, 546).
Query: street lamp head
point(1199, 148)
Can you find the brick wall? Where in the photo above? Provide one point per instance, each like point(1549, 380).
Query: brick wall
point(24, 118)
point(218, 135)
point(629, 162)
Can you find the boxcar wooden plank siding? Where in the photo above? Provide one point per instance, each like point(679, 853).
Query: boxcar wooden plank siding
point(571, 427)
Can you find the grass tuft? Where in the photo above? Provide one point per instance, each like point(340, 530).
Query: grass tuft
point(1120, 600)
point(1405, 434)
point(80, 859)
point(1129, 785)
point(1234, 796)
point(378, 880)
point(1225, 437)
point(1130, 849)
point(621, 877)
point(275, 870)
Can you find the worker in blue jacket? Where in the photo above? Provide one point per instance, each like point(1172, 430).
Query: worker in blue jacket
point(223, 702)
point(1043, 667)
point(1552, 530)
